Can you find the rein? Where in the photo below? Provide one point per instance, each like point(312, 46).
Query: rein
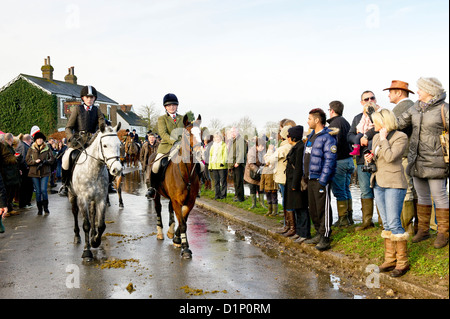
point(105, 159)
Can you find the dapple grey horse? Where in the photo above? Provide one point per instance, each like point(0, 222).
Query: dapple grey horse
point(89, 188)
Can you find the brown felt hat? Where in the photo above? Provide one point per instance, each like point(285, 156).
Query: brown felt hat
point(399, 85)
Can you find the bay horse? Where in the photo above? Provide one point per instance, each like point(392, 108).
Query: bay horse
point(132, 151)
point(181, 185)
point(89, 188)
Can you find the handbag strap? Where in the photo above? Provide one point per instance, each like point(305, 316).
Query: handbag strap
point(443, 119)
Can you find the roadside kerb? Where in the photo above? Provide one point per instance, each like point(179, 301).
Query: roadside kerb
point(268, 227)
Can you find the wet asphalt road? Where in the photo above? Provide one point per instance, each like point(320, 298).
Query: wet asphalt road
point(38, 258)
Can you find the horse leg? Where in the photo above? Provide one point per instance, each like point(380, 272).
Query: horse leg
point(76, 229)
point(170, 232)
point(87, 254)
point(119, 189)
point(107, 200)
point(159, 224)
point(99, 225)
point(180, 210)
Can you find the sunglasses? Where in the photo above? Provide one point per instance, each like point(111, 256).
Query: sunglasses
point(372, 98)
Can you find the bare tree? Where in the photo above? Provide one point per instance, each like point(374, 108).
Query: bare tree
point(149, 115)
point(215, 125)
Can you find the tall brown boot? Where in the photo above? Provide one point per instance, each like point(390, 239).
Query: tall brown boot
point(350, 211)
point(407, 217)
point(286, 225)
point(390, 259)
point(342, 208)
point(442, 221)
point(367, 212)
point(424, 215)
point(291, 220)
point(401, 248)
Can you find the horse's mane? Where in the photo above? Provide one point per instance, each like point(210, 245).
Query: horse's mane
point(94, 136)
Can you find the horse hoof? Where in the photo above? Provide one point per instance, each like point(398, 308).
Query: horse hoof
point(121, 205)
point(170, 235)
point(87, 255)
point(186, 254)
point(95, 243)
point(160, 237)
point(77, 240)
point(176, 245)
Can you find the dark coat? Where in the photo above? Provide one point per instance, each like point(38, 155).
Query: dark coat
point(354, 138)
point(425, 157)
point(10, 166)
point(343, 146)
point(295, 199)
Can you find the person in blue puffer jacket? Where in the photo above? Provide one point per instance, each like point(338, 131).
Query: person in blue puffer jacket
point(319, 167)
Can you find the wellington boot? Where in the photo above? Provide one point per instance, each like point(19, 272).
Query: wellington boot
point(424, 215)
point(442, 221)
point(286, 226)
point(253, 197)
point(291, 221)
point(274, 209)
point(269, 211)
point(407, 217)
point(45, 205)
point(350, 211)
point(367, 214)
point(342, 208)
point(390, 259)
point(40, 207)
point(401, 248)
point(261, 200)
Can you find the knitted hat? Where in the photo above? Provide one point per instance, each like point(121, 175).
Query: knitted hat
point(430, 85)
point(34, 130)
point(284, 131)
point(296, 132)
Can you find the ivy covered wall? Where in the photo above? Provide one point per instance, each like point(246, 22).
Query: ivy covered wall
point(23, 105)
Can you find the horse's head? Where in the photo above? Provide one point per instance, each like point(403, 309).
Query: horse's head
point(110, 148)
point(194, 132)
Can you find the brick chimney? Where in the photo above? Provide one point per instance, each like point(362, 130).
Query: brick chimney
point(47, 70)
point(70, 77)
point(126, 107)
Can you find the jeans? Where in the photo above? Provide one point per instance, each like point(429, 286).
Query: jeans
point(389, 203)
point(40, 185)
point(364, 183)
point(340, 185)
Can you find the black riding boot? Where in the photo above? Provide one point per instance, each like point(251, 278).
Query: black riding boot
point(65, 177)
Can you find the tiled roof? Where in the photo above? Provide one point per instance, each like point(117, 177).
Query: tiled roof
point(59, 87)
point(131, 118)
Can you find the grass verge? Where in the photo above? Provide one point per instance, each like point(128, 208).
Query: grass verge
point(426, 262)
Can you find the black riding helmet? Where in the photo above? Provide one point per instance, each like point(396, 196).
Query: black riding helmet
point(88, 90)
point(170, 98)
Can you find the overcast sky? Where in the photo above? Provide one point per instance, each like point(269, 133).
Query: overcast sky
point(267, 59)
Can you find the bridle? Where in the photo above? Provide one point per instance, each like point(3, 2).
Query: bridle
point(104, 159)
